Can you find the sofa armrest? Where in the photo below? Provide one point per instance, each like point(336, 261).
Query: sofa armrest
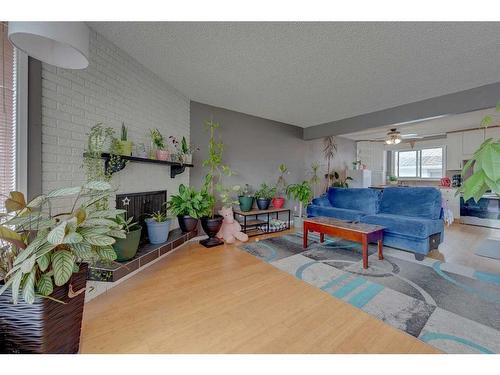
point(322, 201)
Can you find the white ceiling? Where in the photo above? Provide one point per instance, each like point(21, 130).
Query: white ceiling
point(427, 128)
point(310, 73)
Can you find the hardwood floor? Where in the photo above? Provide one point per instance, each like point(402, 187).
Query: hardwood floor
point(223, 300)
point(460, 244)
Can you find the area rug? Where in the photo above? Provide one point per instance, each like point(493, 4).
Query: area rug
point(489, 248)
point(451, 307)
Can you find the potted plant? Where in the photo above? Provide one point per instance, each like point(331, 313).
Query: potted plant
point(184, 150)
point(126, 248)
point(300, 192)
point(315, 180)
point(341, 180)
point(393, 180)
point(264, 195)
point(246, 198)
point(329, 151)
point(124, 145)
point(43, 266)
point(213, 183)
point(158, 224)
point(486, 167)
point(189, 205)
point(158, 144)
point(278, 201)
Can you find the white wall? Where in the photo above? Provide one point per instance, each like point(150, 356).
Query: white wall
point(114, 88)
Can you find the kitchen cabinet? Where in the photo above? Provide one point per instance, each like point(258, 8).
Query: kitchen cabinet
point(471, 140)
point(454, 151)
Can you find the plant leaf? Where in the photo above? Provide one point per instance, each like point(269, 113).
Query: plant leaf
point(117, 233)
point(15, 201)
point(13, 237)
point(72, 237)
point(37, 202)
point(56, 235)
point(80, 215)
point(107, 253)
point(99, 240)
point(108, 214)
point(65, 191)
point(44, 285)
point(32, 247)
point(43, 262)
point(16, 283)
point(490, 162)
point(29, 288)
point(83, 250)
point(99, 222)
point(62, 264)
point(28, 264)
point(98, 185)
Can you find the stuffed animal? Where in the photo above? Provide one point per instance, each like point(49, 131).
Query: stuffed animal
point(231, 229)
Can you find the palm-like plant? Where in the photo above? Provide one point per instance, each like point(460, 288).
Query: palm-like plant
point(40, 249)
point(301, 192)
point(329, 151)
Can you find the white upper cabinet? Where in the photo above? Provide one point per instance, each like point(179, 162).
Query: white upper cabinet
point(471, 140)
point(453, 151)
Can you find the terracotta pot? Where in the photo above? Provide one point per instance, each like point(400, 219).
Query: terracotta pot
point(162, 154)
point(278, 202)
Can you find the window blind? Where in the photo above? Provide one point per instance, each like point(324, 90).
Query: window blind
point(7, 115)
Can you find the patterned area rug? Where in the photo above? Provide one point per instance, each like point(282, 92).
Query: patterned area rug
point(452, 307)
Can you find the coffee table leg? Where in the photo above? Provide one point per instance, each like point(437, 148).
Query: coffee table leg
point(306, 232)
point(380, 247)
point(365, 252)
point(321, 237)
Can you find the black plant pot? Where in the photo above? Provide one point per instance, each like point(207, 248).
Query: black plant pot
point(187, 223)
point(46, 326)
point(263, 203)
point(211, 226)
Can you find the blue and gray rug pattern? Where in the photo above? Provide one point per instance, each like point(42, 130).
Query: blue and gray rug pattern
point(452, 307)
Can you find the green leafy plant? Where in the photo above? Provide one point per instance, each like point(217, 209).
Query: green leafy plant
point(159, 216)
point(124, 133)
point(329, 151)
point(392, 178)
point(245, 191)
point(157, 139)
point(281, 182)
point(190, 202)
point(41, 249)
point(300, 192)
point(265, 192)
point(314, 181)
point(341, 182)
point(486, 167)
point(127, 224)
point(216, 169)
point(94, 165)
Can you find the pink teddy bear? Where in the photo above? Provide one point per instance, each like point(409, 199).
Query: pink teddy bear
point(231, 229)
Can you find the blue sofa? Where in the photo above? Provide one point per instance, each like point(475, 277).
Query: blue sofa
point(412, 217)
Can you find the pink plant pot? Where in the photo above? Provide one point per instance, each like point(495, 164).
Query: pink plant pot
point(162, 154)
point(278, 202)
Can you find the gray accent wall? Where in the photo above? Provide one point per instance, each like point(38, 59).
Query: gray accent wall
point(459, 102)
point(254, 147)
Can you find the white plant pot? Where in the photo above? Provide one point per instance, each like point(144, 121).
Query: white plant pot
point(298, 222)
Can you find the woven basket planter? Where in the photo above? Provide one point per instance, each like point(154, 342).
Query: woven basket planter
point(45, 326)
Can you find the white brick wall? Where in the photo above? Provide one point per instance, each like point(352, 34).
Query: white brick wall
point(114, 88)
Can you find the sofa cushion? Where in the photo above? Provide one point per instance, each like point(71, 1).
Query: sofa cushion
point(405, 225)
point(424, 202)
point(359, 199)
point(337, 213)
point(322, 201)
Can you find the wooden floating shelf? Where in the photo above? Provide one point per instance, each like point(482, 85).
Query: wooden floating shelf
point(175, 167)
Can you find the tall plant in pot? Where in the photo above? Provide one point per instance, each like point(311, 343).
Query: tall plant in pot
point(124, 145)
point(245, 198)
point(264, 195)
point(43, 266)
point(126, 248)
point(213, 184)
point(302, 193)
point(279, 200)
point(189, 205)
point(329, 151)
point(158, 144)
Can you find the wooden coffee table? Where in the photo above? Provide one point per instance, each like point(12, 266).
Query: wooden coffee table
point(357, 232)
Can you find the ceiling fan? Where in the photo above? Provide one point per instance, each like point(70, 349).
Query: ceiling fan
point(394, 137)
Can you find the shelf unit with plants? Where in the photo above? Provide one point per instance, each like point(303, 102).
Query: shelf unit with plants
point(175, 167)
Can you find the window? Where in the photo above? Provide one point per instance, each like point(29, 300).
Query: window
point(7, 116)
point(426, 163)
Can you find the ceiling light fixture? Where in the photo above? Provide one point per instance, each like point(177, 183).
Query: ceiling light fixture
point(393, 137)
point(63, 44)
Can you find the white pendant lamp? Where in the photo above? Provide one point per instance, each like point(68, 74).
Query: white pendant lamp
point(63, 44)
